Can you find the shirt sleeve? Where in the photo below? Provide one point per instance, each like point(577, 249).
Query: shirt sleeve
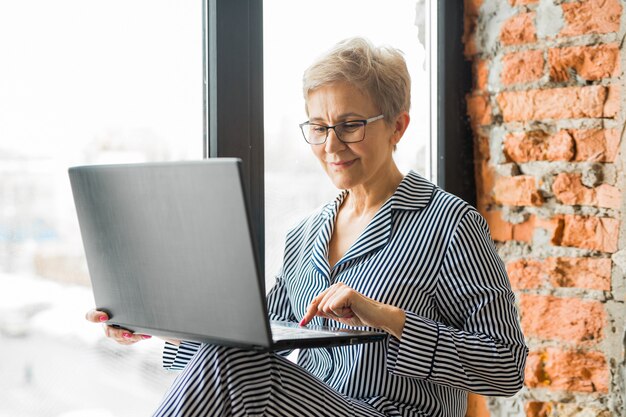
point(175, 358)
point(478, 346)
point(278, 304)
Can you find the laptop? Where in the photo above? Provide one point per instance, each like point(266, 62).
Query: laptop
point(170, 253)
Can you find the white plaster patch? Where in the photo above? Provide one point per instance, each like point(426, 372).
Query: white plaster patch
point(495, 71)
point(619, 258)
point(496, 137)
point(493, 13)
point(549, 19)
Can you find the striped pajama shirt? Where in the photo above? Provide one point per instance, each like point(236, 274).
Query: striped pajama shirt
point(425, 251)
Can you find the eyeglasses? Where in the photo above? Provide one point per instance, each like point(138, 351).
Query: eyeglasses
point(350, 131)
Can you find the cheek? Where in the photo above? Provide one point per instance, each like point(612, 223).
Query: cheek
point(319, 153)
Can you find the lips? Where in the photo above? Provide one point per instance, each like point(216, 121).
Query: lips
point(341, 164)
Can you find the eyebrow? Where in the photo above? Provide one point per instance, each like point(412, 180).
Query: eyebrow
point(342, 116)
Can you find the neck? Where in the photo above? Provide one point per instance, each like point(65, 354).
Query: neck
point(370, 195)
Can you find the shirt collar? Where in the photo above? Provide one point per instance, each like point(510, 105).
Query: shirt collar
point(413, 193)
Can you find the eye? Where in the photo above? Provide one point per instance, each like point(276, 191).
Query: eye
point(320, 130)
point(351, 126)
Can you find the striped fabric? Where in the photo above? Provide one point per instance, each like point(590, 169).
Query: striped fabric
point(425, 251)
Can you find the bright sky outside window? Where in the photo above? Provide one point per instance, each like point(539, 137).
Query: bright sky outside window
point(295, 33)
point(82, 82)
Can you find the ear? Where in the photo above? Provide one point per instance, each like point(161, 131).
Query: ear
point(400, 125)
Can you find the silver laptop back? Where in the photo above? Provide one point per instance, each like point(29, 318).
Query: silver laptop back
point(151, 229)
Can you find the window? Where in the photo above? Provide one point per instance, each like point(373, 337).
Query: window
point(82, 83)
point(100, 82)
point(294, 36)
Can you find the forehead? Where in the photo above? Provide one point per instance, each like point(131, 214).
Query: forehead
point(337, 100)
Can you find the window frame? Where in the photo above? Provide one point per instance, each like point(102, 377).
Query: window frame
point(451, 135)
point(233, 98)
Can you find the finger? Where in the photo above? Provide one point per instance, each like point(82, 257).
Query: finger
point(310, 313)
point(312, 309)
point(330, 299)
point(96, 316)
point(124, 336)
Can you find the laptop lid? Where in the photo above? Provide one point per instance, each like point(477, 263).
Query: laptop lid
point(164, 239)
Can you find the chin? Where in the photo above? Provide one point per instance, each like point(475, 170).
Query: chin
point(342, 182)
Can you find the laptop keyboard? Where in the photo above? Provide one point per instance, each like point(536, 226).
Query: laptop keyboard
point(280, 331)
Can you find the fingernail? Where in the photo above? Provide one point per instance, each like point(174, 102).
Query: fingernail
point(302, 322)
point(103, 318)
point(145, 336)
point(126, 335)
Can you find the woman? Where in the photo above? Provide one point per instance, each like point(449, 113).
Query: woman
point(392, 252)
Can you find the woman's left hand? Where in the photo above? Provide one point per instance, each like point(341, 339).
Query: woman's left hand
point(346, 305)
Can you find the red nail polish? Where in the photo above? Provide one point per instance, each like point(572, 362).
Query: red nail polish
point(302, 323)
point(126, 335)
point(145, 336)
point(103, 318)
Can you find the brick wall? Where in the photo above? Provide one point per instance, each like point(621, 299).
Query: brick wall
point(547, 114)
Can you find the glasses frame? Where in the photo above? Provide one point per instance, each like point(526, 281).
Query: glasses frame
point(364, 121)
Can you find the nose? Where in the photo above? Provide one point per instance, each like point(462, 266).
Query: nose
point(333, 144)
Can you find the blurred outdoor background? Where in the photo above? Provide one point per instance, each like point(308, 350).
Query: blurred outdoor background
point(89, 82)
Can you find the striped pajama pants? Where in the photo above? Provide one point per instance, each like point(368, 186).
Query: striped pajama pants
point(226, 381)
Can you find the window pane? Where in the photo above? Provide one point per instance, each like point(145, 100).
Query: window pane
point(82, 82)
point(294, 35)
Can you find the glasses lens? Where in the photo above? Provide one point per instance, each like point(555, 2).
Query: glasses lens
point(351, 131)
point(314, 134)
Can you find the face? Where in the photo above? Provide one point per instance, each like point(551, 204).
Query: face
point(350, 165)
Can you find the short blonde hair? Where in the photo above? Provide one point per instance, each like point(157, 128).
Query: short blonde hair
point(379, 72)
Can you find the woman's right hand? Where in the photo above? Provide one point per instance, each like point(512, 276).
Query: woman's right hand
point(121, 336)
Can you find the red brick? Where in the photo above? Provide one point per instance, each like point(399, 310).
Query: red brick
point(554, 409)
point(560, 147)
point(530, 105)
point(484, 185)
point(479, 110)
point(538, 409)
point(524, 147)
point(522, 67)
point(519, 29)
point(591, 16)
point(481, 147)
point(469, 41)
point(597, 145)
point(525, 274)
point(520, 190)
point(594, 233)
point(472, 7)
point(554, 227)
point(503, 231)
point(562, 319)
point(588, 62)
point(481, 74)
point(569, 189)
point(587, 273)
point(484, 172)
point(567, 370)
point(537, 145)
point(612, 105)
point(589, 145)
